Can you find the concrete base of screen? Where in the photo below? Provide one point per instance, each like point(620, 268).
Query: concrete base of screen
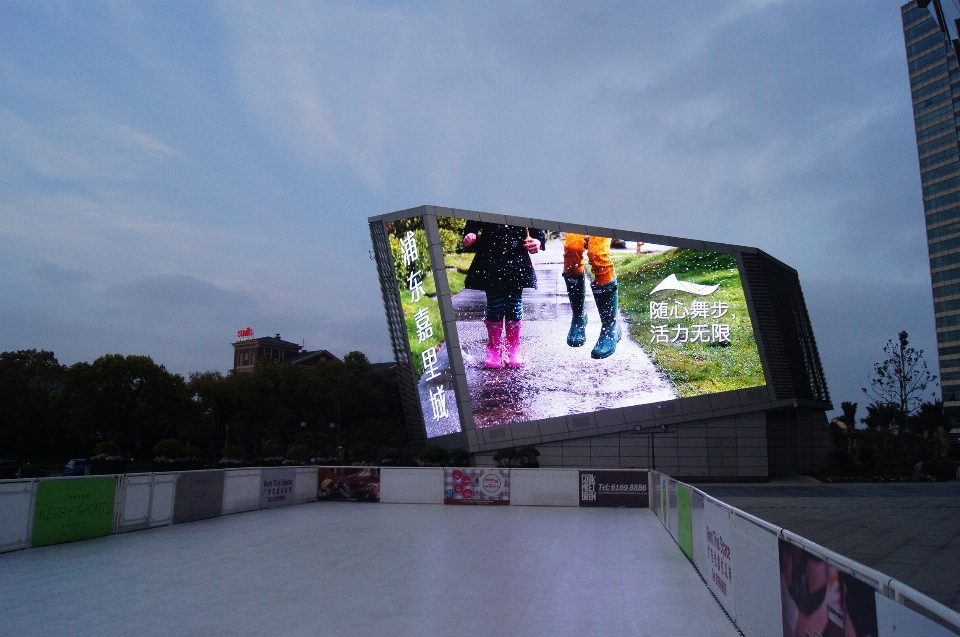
point(747, 447)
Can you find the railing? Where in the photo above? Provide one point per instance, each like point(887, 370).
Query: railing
point(771, 581)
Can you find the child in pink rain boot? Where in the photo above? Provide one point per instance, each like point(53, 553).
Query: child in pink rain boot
point(502, 268)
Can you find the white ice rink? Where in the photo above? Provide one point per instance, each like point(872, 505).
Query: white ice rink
point(368, 569)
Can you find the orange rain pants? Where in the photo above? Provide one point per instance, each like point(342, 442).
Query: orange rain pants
point(598, 253)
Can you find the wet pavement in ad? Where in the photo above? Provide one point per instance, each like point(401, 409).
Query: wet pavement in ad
point(557, 380)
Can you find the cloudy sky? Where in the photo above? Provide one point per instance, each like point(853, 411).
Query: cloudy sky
point(173, 171)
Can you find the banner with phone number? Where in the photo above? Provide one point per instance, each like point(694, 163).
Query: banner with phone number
point(603, 488)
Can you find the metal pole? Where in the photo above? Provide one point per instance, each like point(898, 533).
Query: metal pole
point(653, 442)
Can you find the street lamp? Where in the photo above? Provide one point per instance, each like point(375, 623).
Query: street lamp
point(651, 442)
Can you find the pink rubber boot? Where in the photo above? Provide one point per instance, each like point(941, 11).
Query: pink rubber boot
point(514, 357)
point(494, 358)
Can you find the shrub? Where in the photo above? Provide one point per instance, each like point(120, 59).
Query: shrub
point(298, 453)
point(235, 452)
point(840, 460)
point(189, 451)
point(392, 456)
point(109, 448)
point(459, 458)
point(867, 457)
point(364, 452)
point(168, 448)
point(433, 456)
point(517, 458)
point(941, 469)
point(273, 450)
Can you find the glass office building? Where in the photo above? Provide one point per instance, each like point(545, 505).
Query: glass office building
point(930, 37)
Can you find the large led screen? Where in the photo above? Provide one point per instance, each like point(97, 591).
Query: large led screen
point(553, 324)
point(424, 327)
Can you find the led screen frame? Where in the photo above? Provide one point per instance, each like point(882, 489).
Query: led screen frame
point(594, 420)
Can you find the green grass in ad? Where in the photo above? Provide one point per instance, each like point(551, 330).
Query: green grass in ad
point(684, 522)
point(73, 509)
point(457, 267)
point(693, 368)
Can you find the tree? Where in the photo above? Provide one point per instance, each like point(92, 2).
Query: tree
point(28, 381)
point(358, 359)
point(881, 420)
point(902, 379)
point(932, 424)
point(849, 416)
point(128, 399)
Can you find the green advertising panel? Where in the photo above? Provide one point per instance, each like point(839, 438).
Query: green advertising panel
point(684, 523)
point(70, 510)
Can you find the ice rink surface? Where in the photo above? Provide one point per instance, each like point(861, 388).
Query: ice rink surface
point(368, 569)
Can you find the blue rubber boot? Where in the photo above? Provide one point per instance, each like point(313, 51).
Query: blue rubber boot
point(577, 335)
point(608, 304)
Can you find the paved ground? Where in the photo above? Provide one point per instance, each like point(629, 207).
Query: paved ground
point(908, 531)
point(362, 569)
point(558, 380)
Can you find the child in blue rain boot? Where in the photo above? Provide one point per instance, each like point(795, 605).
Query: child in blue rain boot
point(604, 291)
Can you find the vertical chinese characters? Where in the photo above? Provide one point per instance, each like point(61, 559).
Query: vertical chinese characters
point(425, 334)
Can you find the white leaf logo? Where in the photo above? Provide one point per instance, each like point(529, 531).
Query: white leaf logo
point(673, 283)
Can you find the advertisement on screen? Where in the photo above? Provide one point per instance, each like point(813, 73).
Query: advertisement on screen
point(425, 336)
point(556, 324)
point(358, 484)
point(611, 488)
point(476, 486)
point(817, 598)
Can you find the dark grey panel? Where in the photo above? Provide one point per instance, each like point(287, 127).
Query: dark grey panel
point(199, 495)
point(789, 346)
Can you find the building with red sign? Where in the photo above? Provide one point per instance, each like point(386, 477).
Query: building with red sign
point(247, 351)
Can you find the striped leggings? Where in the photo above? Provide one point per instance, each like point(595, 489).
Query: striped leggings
point(504, 304)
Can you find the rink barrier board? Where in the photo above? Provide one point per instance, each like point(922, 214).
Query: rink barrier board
point(736, 554)
point(738, 557)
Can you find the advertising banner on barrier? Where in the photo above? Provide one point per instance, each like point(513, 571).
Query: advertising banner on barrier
point(896, 620)
point(684, 521)
point(476, 486)
point(818, 598)
point(603, 488)
point(664, 504)
point(276, 486)
point(199, 495)
point(69, 510)
point(717, 537)
point(360, 484)
point(654, 495)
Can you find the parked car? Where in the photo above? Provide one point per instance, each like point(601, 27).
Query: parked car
point(77, 467)
point(8, 469)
